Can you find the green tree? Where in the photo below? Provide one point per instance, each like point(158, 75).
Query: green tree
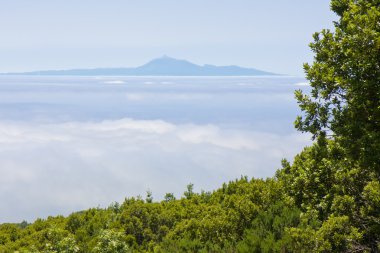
point(149, 197)
point(339, 175)
point(169, 197)
point(189, 191)
point(345, 80)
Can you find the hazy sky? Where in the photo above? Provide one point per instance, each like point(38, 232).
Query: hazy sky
point(269, 35)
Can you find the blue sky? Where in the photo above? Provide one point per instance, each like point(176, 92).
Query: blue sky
point(269, 35)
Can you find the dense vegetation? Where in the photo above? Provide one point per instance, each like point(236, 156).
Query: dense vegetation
point(327, 200)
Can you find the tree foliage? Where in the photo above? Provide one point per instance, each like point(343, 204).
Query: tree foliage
point(221, 221)
point(345, 81)
point(336, 175)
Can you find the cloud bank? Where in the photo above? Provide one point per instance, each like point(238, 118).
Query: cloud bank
point(50, 169)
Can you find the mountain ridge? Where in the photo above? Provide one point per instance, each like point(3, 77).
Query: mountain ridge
point(163, 66)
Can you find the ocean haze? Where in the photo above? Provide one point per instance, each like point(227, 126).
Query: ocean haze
point(71, 143)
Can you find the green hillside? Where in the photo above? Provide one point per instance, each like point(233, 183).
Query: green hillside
point(326, 200)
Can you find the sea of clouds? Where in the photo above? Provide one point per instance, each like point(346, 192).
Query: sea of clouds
point(57, 168)
point(54, 166)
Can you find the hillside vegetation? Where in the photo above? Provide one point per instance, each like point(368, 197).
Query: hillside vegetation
point(326, 200)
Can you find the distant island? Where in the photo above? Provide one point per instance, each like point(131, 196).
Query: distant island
point(164, 66)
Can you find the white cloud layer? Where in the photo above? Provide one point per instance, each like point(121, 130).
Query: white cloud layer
point(114, 82)
point(49, 169)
